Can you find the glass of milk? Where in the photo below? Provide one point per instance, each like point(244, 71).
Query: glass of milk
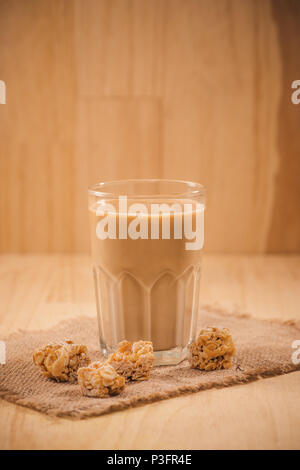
point(147, 240)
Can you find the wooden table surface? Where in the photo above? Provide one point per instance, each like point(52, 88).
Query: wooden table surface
point(38, 291)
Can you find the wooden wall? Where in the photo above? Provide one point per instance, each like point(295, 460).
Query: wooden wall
point(186, 89)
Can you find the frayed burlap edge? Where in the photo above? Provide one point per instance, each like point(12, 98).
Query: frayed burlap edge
point(242, 378)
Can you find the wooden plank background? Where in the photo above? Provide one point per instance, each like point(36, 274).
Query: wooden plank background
point(188, 89)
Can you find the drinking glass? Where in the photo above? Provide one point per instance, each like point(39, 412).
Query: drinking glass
point(146, 242)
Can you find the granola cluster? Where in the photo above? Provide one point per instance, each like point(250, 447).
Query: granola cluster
point(133, 361)
point(212, 350)
point(69, 362)
point(60, 361)
point(100, 380)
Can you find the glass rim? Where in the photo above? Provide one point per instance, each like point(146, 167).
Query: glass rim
point(194, 189)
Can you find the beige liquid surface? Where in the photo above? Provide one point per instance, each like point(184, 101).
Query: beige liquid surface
point(146, 289)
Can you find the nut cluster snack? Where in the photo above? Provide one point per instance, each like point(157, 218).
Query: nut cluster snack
point(100, 379)
point(133, 361)
point(212, 350)
point(69, 362)
point(60, 361)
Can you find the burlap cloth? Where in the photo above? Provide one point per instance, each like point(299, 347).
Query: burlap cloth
point(264, 349)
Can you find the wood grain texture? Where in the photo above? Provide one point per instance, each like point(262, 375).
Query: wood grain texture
point(284, 227)
point(38, 291)
point(101, 89)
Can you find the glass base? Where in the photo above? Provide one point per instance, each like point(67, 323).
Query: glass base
point(170, 357)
